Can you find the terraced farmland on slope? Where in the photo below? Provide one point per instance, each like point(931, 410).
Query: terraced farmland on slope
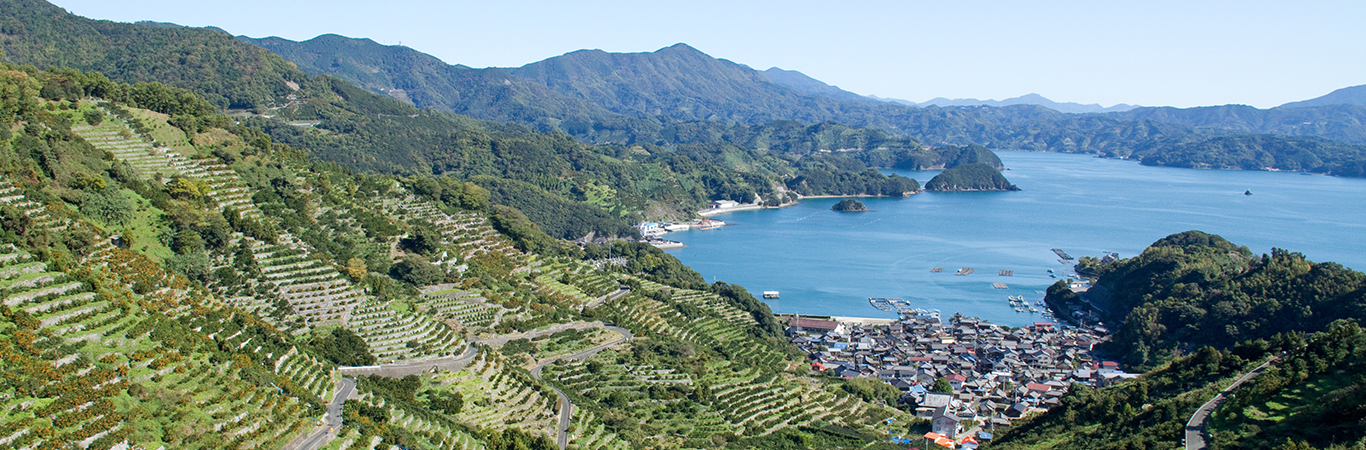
point(393, 335)
point(496, 396)
point(463, 306)
point(80, 364)
point(296, 281)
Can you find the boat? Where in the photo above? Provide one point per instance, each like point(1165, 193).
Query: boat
point(1247, 192)
point(677, 227)
point(770, 294)
point(710, 224)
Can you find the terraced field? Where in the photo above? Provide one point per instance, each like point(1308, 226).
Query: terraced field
point(400, 336)
point(468, 234)
point(586, 283)
point(434, 431)
point(590, 434)
point(466, 307)
point(496, 398)
point(314, 290)
point(714, 322)
point(80, 356)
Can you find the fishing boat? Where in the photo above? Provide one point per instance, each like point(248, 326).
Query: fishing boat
point(710, 224)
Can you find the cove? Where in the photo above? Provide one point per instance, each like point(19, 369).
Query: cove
point(829, 263)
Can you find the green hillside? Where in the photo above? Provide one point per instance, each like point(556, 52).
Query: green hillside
point(1199, 312)
point(1192, 289)
point(190, 279)
point(209, 62)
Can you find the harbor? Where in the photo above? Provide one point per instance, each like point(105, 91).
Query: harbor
point(997, 374)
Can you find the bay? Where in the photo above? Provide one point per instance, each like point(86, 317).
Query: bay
point(829, 263)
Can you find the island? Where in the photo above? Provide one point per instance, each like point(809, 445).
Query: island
point(849, 205)
point(970, 177)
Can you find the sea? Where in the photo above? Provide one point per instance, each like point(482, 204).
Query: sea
point(824, 262)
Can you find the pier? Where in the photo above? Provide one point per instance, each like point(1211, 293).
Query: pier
point(1062, 254)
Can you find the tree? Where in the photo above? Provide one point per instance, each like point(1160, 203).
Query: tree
point(355, 268)
point(942, 386)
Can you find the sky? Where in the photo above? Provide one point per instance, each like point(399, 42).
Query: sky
point(1152, 53)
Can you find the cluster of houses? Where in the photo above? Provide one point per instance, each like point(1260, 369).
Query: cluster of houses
point(996, 374)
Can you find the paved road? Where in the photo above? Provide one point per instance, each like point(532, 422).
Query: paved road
point(459, 362)
point(321, 435)
point(613, 296)
point(405, 368)
point(1195, 428)
point(567, 408)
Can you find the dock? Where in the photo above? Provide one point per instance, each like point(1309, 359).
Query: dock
point(1000, 286)
point(1062, 254)
point(884, 304)
point(937, 269)
point(1007, 273)
point(964, 271)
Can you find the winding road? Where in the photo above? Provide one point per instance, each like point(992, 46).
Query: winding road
point(1195, 428)
point(567, 408)
point(332, 421)
point(455, 363)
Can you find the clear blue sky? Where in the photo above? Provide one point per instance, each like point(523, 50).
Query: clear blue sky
point(1177, 53)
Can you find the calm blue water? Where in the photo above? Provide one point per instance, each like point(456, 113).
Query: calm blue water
point(830, 263)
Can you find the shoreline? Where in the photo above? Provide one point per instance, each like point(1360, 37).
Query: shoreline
point(863, 321)
point(715, 211)
point(861, 195)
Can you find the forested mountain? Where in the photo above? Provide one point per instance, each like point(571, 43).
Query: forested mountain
point(204, 60)
point(429, 83)
point(335, 121)
point(1192, 289)
point(1340, 122)
point(642, 98)
point(800, 82)
point(1354, 95)
point(1201, 311)
point(1256, 152)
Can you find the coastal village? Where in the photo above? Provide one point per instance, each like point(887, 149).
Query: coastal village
point(997, 374)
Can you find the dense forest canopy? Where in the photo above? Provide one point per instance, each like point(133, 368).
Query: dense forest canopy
point(1191, 289)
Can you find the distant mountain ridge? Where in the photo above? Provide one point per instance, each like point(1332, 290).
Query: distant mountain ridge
point(1354, 95)
point(1028, 99)
point(805, 84)
point(427, 82)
